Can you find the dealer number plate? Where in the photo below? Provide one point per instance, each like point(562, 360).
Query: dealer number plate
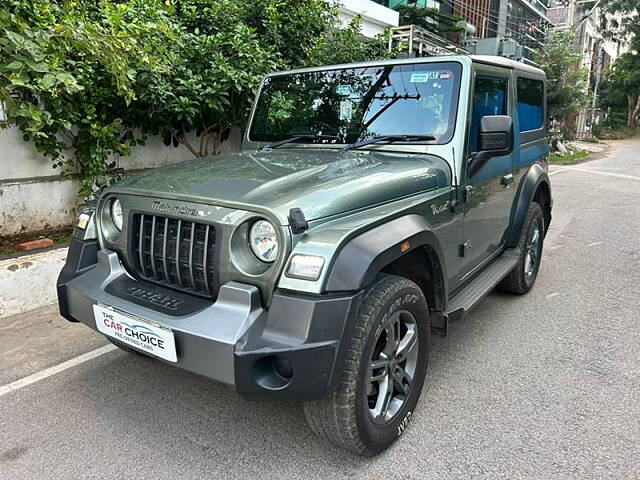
point(131, 331)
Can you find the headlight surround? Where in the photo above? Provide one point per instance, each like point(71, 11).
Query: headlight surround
point(116, 214)
point(263, 241)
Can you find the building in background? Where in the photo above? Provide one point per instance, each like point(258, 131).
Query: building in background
point(587, 21)
point(376, 16)
point(509, 28)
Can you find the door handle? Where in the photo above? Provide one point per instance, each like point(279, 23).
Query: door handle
point(507, 180)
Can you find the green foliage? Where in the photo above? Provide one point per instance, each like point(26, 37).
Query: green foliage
point(568, 158)
point(87, 80)
point(344, 45)
point(565, 82)
point(626, 26)
point(68, 74)
point(623, 83)
point(429, 18)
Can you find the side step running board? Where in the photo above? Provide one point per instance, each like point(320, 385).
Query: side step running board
point(480, 286)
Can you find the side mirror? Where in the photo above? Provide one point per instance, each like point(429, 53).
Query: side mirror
point(495, 139)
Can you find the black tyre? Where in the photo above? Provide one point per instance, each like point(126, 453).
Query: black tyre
point(524, 275)
point(383, 373)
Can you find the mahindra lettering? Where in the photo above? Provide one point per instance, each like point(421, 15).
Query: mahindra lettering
point(371, 204)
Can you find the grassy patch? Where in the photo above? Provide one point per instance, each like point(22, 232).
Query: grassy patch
point(567, 158)
point(615, 133)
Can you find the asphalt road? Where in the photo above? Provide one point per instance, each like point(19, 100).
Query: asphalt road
point(545, 386)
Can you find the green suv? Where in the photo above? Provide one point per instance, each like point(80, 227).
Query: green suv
point(371, 204)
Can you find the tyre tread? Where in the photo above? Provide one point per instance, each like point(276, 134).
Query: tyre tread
point(334, 417)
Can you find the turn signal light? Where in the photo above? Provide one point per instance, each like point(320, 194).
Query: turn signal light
point(306, 267)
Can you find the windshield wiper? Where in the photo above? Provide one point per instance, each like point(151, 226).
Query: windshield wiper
point(301, 137)
point(389, 139)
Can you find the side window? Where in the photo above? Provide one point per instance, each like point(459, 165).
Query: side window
point(530, 104)
point(489, 98)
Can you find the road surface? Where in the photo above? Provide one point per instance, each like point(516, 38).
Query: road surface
point(541, 386)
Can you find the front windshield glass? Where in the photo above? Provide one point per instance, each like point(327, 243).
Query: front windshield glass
point(359, 103)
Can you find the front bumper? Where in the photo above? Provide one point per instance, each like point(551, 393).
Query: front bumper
point(292, 350)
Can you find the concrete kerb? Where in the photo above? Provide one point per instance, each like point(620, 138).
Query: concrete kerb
point(28, 280)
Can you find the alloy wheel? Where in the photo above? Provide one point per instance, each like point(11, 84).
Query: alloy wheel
point(392, 367)
point(532, 253)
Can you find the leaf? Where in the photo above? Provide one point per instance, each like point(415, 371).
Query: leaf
point(66, 78)
point(15, 65)
point(47, 81)
point(18, 80)
point(14, 37)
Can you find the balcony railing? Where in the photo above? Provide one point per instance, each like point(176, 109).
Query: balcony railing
point(420, 42)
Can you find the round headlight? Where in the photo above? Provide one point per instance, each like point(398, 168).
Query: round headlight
point(116, 213)
point(264, 241)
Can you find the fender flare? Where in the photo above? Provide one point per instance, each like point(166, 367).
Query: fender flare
point(529, 185)
point(364, 256)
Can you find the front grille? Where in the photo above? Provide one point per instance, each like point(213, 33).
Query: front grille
point(175, 253)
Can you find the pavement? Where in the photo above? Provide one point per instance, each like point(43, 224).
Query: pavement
point(541, 386)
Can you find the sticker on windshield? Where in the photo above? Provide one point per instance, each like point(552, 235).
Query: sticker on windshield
point(346, 110)
point(424, 77)
point(343, 90)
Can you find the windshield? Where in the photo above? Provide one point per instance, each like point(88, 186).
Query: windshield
point(358, 103)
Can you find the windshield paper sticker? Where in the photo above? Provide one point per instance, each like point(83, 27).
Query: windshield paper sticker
point(346, 110)
point(423, 77)
point(343, 90)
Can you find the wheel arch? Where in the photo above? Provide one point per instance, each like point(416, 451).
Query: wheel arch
point(405, 246)
point(535, 186)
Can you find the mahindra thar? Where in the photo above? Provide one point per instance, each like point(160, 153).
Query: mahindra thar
point(370, 205)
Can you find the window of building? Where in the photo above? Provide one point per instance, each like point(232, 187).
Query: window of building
point(489, 98)
point(530, 104)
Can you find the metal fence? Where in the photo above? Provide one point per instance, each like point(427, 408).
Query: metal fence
point(587, 118)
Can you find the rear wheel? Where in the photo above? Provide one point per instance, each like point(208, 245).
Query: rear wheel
point(524, 275)
point(383, 373)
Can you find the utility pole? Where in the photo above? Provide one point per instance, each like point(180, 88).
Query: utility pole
point(501, 30)
point(598, 72)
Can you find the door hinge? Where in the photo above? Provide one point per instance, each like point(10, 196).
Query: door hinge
point(463, 249)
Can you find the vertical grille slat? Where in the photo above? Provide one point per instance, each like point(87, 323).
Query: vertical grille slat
point(204, 258)
point(178, 234)
point(140, 242)
point(193, 231)
point(176, 253)
point(164, 250)
point(153, 243)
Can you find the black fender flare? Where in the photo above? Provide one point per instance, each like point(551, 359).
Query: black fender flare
point(529, 185)
point(364, 256)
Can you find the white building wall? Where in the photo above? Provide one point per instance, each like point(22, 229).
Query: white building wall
point(375, 17)
point(34, 197)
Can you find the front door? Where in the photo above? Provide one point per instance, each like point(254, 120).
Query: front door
point(489, 192)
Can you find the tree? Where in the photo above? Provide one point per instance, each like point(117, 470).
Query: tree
point(623, 79)
point(566, 82)
point(68, 76)
point(86, 80)
point(211, 85)
point(430, 19)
